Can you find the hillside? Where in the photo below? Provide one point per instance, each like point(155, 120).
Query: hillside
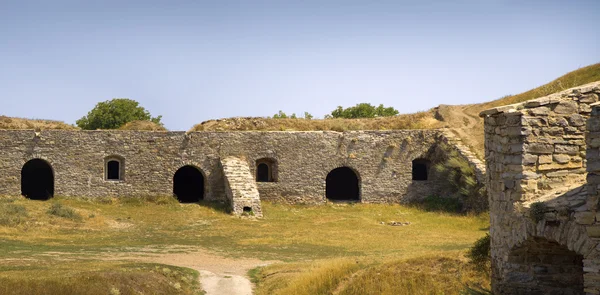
point(462, 120)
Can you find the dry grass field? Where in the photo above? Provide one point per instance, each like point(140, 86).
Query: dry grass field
point(334, 248)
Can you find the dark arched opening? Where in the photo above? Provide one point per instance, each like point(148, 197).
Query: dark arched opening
point(188, 184)
point(266, 170)
point(420, 168)
point(262, 173)
point(540, 266)
point(113, 170)
point(342, 184)
point(37, 180)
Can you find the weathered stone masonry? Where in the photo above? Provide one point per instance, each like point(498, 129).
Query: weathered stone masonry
point(382, 161)
point(544, 224)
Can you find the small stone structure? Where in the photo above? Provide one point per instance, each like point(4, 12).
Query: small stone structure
point(545, 224)
point(220, 166)
point(240, 187)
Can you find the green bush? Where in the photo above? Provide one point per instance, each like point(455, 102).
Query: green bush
point(537, 211)
point(11, 214)
point(479, 255)
point(59, 210)
point(363, 110)
point(439, 204)
point(112, 114)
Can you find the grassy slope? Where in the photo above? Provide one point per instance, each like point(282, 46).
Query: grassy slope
point(35, 241)
point(436, 274)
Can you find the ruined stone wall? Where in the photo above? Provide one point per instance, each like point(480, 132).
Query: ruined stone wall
point(381, 158)
point(540, 207)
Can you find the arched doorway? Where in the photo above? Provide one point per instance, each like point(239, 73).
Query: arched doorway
point(188, 184)
point(37, 180)
point(540, 266)
point(262, 173)
point(420, 169)
point(342, 184)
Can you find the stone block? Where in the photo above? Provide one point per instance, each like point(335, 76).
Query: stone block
point(589, 98)
point(554, 166)
point(593, 231)
point(566, 149)
point(593, 141)
point(585, 217)
point(566, 107)
point(593, 165)
point(576, 120)
point(561, 158)
point(540, 148)
point(539, 111)
point(529, 159)
point(545, 159)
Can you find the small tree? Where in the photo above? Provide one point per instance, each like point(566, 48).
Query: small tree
point(364, 110)
point(308, 116)
point(280, 115)
point(112, 114)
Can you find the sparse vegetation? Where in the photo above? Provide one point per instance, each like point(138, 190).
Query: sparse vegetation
point(60, 210)
point(12, 214)
point(35, 124)
point(461, 177)
point(421, 120)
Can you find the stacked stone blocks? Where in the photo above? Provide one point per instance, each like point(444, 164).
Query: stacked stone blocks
point(240, 187)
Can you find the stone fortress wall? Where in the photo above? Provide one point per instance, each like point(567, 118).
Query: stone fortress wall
point(545, 225)
point(299, 163)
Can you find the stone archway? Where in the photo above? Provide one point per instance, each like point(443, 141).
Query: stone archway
point(188, 184)
point(37, 180)
point(342, 184)
point(541, 266)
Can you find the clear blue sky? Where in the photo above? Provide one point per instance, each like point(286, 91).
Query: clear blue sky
point(192, 61)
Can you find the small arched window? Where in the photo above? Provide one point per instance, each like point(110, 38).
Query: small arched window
point(113, 168)
point(266, 170)
point(420, 169)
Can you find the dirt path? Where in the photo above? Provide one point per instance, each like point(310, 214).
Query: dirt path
point(218, 275)
point(463, 124)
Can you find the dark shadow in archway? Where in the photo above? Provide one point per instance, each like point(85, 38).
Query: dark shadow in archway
point(37, 180)
point(342, 184)
point(188, 184)
point(540, 266)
